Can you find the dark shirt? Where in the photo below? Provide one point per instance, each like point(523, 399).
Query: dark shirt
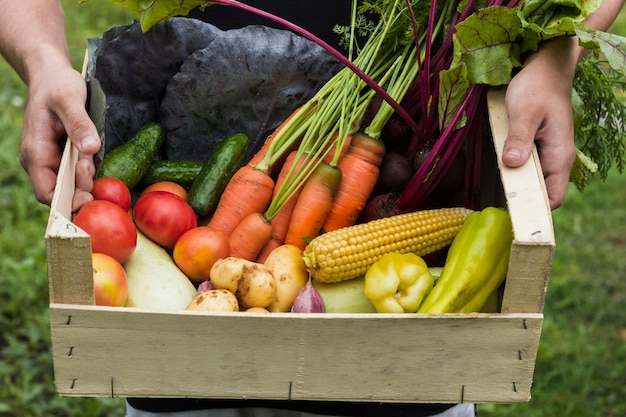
point(318, 17)
point(331, 408)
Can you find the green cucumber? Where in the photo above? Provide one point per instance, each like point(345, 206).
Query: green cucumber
point(130, 161)
point(220, 166)
point(179, 171)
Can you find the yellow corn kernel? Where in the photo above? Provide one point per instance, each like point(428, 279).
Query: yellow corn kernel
point(347, 253)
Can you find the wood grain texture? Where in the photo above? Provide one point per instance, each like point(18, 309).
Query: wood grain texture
point(68, 248)
point(527, 202)
point(352, 357)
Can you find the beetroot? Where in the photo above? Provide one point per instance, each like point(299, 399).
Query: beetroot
point(382, 205)
point(395, 173)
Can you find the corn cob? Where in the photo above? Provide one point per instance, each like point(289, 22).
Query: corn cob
point(348, 252)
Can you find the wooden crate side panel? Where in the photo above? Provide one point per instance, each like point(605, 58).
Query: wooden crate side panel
point(68, 256)
point(409, 358)
point(68, 248)
point(527, 203)
point(527, 283)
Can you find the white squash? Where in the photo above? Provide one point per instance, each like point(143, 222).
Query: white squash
point(154, 280)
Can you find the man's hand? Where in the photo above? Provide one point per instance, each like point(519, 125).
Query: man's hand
point(56, 105)
point(538, 102)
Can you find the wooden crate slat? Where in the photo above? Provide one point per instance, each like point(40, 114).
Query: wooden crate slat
point(474, 358)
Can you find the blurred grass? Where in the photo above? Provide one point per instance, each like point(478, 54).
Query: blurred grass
point(26, 375)
point(581, 365)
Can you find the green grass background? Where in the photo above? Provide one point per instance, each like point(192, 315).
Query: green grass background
point(581, 364)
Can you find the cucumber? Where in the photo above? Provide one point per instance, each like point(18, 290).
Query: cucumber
point(220, 166)
point(178, 171)
point(130, 161)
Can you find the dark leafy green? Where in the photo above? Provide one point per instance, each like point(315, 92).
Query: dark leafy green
point(200, 82)
point(247, 80)
point(134, 68)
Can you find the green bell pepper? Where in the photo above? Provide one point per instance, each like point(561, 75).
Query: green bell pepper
point(476, 264)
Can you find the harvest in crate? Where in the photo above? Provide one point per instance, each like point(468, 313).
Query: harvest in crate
point(368, 175)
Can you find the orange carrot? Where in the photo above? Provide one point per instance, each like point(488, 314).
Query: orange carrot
point(313, 204)
point(267, 249)
point(280, 220)
point(330, 156)
point(249, 237)
point(258, 157)
point(279, 146)
point(248, 191)
point(359, 170)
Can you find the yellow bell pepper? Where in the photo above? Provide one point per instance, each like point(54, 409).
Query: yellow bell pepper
point(397, 283)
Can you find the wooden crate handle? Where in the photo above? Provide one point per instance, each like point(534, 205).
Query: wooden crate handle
point(68, 248)
point(527, 202)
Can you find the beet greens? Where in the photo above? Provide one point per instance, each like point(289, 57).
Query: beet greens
point(431, 62)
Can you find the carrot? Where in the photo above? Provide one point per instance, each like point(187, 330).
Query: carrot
point(331, 156)
point(267, 249)
point(248, 191)
point(282, 140)
point(249, 237)
point(280, 219)
point(258, 157)
point(359, 170)
point(313, 205)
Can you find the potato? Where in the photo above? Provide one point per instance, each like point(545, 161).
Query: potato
point(214, 300)
point(287, 266)
point(227, 272)
point(251, 282)
point(257, 286)
point(257, 310)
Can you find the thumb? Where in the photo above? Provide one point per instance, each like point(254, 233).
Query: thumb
point(80, 128)
point(523, 127)
point(517, 148)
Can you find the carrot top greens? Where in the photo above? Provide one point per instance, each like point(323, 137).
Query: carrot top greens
point(431, 62)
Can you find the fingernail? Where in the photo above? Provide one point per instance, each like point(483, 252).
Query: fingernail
point(89, 142)
point(515, 153)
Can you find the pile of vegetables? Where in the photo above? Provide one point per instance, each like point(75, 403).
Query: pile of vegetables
point(369, 174)
point(480, 44)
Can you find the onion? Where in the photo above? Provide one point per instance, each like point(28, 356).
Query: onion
point(205, 286)
point(308, 300)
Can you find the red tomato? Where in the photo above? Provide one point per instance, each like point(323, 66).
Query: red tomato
point(111, 229)
point(110, 283)
point(113, 190)
point(170, 186)
point(163, 217)
point(196, 251)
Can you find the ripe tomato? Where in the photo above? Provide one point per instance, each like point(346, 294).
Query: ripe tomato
point(111, 229)
point(170, 186)
point(113, 190)
point(110, 283)
point(196, 251)
point(163, 217)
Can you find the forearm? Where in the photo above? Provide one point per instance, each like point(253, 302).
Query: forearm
point(564, 54)
point(32, 36)
point(601, 19)
point(604, 17)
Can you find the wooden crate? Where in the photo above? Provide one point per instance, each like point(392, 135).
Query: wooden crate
point(102, 351)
